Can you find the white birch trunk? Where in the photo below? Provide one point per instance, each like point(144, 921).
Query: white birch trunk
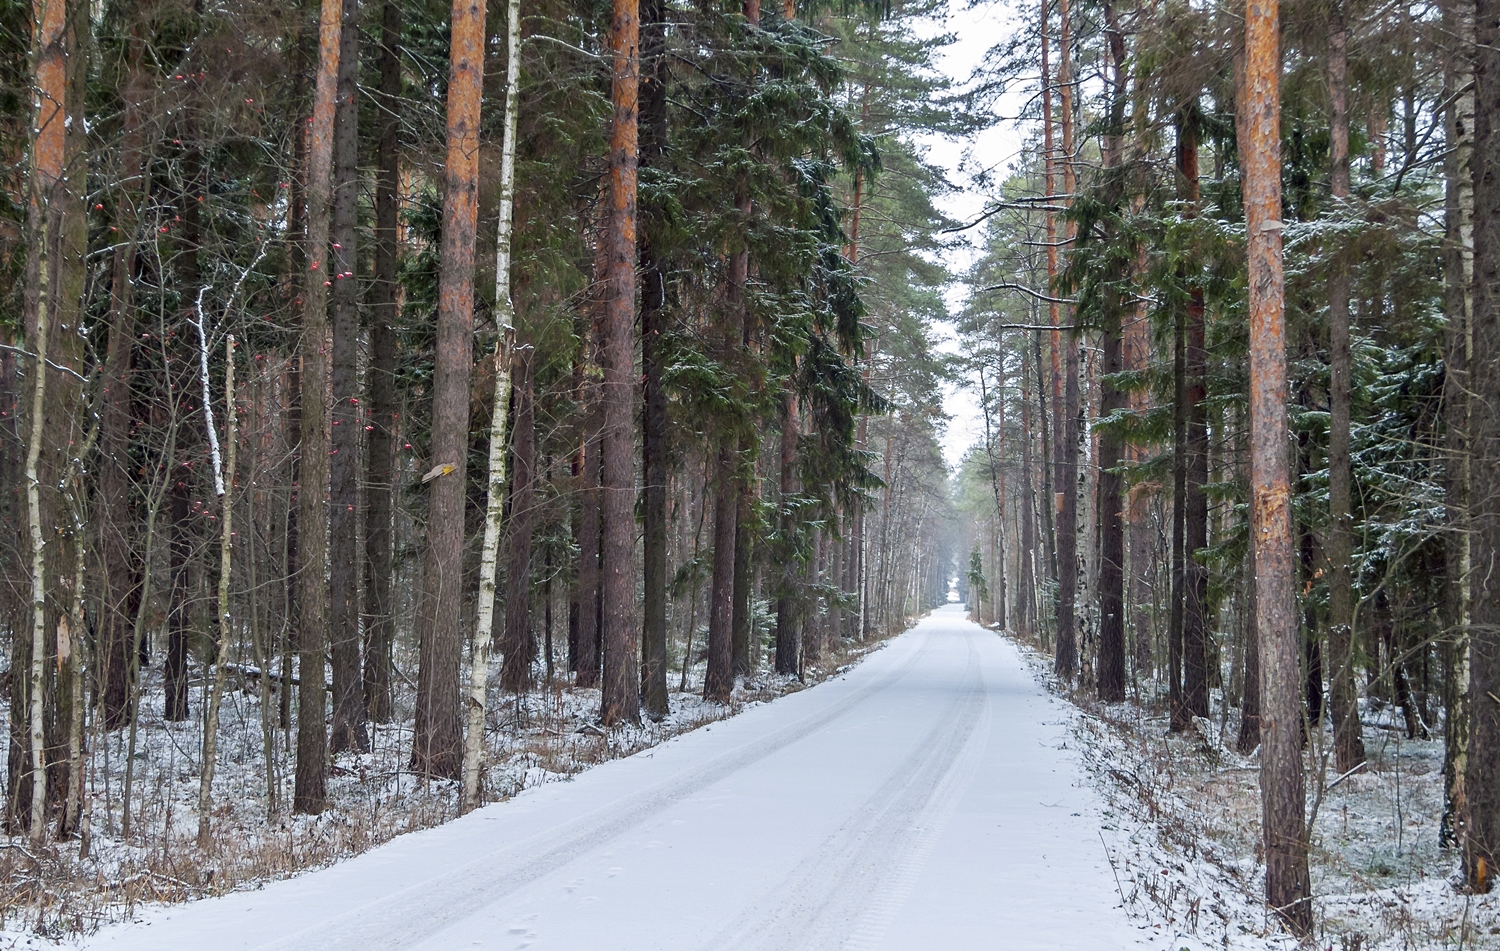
point(38, 547)
point(223, 482)
point(505, 320)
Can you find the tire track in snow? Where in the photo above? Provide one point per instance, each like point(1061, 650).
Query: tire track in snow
point(848, 889)
point(405, 918)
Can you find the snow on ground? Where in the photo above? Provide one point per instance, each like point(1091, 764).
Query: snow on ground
point(932, 797)
point(1182, 826)
point(548, 735)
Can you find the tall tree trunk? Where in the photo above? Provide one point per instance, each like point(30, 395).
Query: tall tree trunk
point(182, 532)
point(349, 731)
point(1348, 745)
point(1249, 734)
point(1195, 499)
point(224, 479)
point(1026, 562)
point(1284, 820)
point(587, 655)
point(1458, 23)
point(437, 739)
point(49, 196)
point(1110, 673)
point(718, 681)
point(1178, 717)
point(1066, 485)
point(1136, 353)
point(993, 461)
point(1110, 669)
point(654, 442)
point(380, 488)
point(489, 554)
point(1048, 569)
point(520, 647)
point(121, 567)
point(621, 695)
point(516, 673)
point(786, 599)
point(310, 785)
point(744, 571)
point(1482, 780)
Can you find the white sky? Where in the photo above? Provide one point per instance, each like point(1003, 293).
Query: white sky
point(977, 28)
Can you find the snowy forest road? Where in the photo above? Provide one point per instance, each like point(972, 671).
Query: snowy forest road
point(925, 799)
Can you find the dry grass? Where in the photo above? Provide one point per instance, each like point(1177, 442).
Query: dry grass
point(1183, 832)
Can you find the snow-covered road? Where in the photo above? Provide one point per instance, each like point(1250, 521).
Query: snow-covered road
point(925, 800)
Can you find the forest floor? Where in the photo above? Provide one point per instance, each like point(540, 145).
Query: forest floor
point(1184, 818)
point(550, 734)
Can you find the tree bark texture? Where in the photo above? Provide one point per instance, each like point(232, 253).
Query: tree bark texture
point(744, 569)
point(1067, 406)
point(437, 741)
point(1482, 780)
point(1284, 822)
point(380, 488)
point(787, 601)
point(310, 787)
point(718, 681)
point(1195, 446)
point(349, 731)
point(1458, 266)
point(1110, 670)
point(621, 696)
point(520, 646)
point(1348, 744)
point(121, 567)
point(654, 439)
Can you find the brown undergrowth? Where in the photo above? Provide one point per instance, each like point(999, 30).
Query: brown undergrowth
point(1182, 828)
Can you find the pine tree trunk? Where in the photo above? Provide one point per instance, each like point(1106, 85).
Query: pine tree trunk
point(437, 741)
point(1066, 659)
point(380, 489)
point(1195, 455)
point(520, 646)
point(1110, 674)
point(654, 442)
point(1284, 823)
point(1026, 562)
point(587, 639)
point(120, 564)
point(1348, 745)
point(310, 783)
point(1002, 590)
point(786, 600)
point(1482, 779)
point(718, 681)
point(349, 731)
point(744, 570)
point(188, 241)
point(1047, 571)
point(1136, 354)
point(1110, 669)
point(621, 696)
point(1249, 733)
